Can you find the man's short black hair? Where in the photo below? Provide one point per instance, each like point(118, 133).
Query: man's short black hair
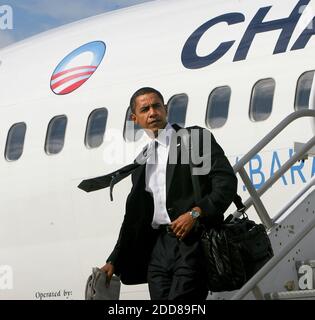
point(141, 92)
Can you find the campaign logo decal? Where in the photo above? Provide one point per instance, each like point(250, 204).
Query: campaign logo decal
point(77, 67)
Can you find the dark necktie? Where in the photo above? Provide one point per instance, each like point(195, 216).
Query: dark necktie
point(109, 180)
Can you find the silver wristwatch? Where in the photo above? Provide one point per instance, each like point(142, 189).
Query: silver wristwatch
point(194, 213)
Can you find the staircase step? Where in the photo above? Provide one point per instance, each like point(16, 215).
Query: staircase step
point(293, 295)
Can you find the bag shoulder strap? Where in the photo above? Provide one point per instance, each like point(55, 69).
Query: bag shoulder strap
point(194, 178)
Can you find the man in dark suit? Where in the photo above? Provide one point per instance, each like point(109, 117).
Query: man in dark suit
point(159, 240)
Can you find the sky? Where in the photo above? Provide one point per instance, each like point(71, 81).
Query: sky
point(30, 17)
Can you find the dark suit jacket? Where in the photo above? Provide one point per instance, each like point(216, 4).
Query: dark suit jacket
point(136, 239)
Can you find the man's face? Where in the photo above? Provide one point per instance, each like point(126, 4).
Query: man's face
point(150, 113)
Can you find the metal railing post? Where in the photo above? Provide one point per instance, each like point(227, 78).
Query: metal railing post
point(260, 208)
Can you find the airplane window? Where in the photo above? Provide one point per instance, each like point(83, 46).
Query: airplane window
point(177, 109)
point(132, 131)
point(303, 90)
point(15, 141)
point(218, 107)
point(56, 134)
point(262, 99)
point(95, 128)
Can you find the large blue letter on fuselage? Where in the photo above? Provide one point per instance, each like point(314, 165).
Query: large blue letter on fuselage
point(287, 25)
point(191, 60)
point(305, 36)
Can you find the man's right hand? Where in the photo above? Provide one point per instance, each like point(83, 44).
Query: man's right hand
point(109, 270)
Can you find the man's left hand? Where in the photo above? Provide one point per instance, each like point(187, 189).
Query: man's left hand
point(183, 225)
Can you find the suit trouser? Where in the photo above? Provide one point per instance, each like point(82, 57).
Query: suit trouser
point(176, 270)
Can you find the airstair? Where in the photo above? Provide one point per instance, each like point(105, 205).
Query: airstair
point(290, 274)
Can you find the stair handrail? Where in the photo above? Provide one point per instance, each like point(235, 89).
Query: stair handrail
point(294, 200)
point(239, 167)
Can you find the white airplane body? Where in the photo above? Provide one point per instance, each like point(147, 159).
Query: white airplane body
point(51, 232)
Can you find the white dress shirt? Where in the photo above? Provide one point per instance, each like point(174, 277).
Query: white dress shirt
point(155, 175)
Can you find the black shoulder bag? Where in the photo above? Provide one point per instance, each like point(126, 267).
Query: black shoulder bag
point(235, 250)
